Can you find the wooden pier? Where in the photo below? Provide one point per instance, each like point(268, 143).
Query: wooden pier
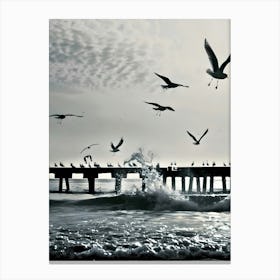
point(121, 172)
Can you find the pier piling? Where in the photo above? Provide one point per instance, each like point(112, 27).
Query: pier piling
point(198, 184)
point(173, 183)
point(190, 184)
point(183, 184)
point(211, 184)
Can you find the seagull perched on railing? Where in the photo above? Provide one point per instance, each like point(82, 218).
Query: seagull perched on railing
point(72, 165)
point(216, 71)
point(160, 108)
point(61, 164)
point(116, 148)
point(169, 84)
point(197, 142)
point(88, 147)
point(82, 166)
point(96, 164)
point(55, 164)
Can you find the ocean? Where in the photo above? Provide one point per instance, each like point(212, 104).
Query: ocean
point(157, 225)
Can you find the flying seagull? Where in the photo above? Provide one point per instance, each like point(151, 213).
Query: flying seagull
point(169, 84)
point(116, 148)
point(197, 142)
point(160, 108)
point(88, 147)
point(216, 71)
point(61, 117)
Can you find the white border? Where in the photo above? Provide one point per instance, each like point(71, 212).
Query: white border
point(255, 138)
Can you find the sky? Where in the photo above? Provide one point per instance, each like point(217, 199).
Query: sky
point(104, 70)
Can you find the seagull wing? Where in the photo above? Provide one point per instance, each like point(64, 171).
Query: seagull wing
point(211, 55)
point(84, 149)
point(55, 115)
point(73, 115)
point(169, 108)
point(88, 147)
point(120, 143)
point(92, 145)
point(112, 146)
point(164, 78)
point(192, 136)
point(154, 104)
point(203, 135)
point(223, 66)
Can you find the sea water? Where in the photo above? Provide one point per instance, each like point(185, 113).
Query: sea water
point(132, 225)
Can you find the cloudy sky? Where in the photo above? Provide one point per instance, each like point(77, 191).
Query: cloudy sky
point(104, 70)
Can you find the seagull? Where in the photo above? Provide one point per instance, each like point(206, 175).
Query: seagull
point(119, 165)
point(86, 157)
point(88, 147)
point(207, 163)
point(216, 71)
point(192, 163)
point(55, 164)
point(116, 148)
point(82, 166)
point(197, 142)
point(72, 165)
point(169, 84)
point(203, 163)
point(61, 164)
point(213, 164)
point(63, 116)
point(160, 108)
point(225, 164)
point(96, 164)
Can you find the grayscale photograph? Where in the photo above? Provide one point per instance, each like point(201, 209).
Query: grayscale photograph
point(139, 140)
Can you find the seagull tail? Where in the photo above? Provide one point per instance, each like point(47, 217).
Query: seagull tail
point(164, 86)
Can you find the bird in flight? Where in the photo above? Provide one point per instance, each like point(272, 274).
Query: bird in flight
point(197, 142)
point(116, 148)
point(88, 147)
point(216, 71)
point(160, 108)
point(63, 116)
point(169, 84)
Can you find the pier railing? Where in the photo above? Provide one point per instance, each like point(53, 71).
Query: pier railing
point(121, 172)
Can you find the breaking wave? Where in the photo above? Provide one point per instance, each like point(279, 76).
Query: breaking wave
point(157, 200)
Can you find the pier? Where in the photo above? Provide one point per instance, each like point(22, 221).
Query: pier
point(118, 173)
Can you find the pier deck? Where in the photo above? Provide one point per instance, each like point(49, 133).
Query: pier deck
point(121, 172)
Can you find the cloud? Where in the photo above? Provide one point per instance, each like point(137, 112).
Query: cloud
point(103, 53)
